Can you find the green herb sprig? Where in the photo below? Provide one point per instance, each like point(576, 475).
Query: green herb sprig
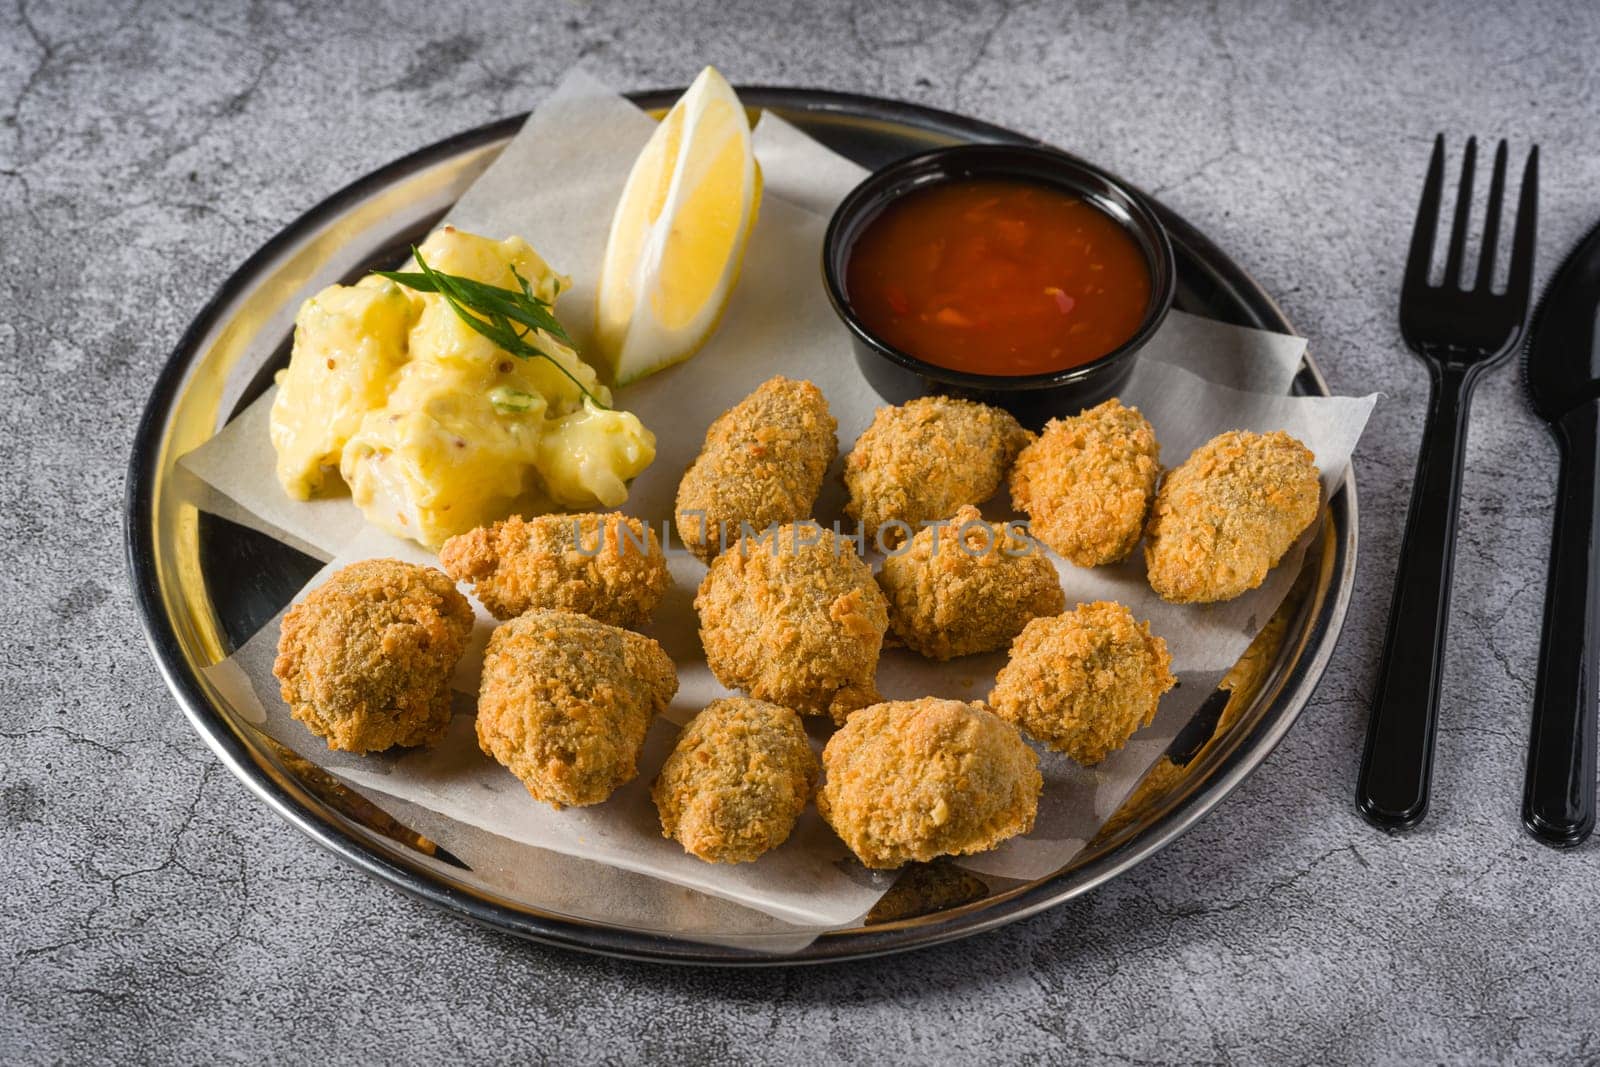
point(494, 311)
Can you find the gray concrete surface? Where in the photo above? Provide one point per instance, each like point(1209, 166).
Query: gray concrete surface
point(151, 909)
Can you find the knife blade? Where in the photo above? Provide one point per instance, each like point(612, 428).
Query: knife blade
point(1561, 373)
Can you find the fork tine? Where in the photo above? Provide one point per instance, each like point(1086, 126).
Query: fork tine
point(1458, 230)
point(1421, 255)
point(1491, 221)
point(1522, 239)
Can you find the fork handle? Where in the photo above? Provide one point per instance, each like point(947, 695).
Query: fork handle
point(1558, 800)
point(1397, 766)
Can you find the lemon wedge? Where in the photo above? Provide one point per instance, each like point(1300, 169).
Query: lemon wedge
point(678, 235)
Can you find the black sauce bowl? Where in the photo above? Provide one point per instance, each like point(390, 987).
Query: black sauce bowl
point(1034, 399)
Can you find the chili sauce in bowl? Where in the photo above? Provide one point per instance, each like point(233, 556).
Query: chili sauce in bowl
point(1014, 275)
point(998, 276)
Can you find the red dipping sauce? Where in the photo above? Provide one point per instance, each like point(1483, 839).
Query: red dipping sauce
point(998, 276)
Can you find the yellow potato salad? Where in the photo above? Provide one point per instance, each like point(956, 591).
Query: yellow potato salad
point(434, 428)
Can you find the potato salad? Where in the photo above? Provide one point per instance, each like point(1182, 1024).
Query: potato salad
point(434, 427)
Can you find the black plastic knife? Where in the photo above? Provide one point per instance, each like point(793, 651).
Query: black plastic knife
point(1561, 369)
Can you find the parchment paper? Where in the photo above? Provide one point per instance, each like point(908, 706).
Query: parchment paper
point(556, 184)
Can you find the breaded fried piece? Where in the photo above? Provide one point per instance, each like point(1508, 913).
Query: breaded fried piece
point(1087, 482)
point(365, 659)
point(915, 779)
point(1083, 682)
point(565, 703)
point(921, 461)
point(608, 567)
point(1226, 517)
point(736, 781)
point(967, 587)
point(762, 464)
point(794, 618)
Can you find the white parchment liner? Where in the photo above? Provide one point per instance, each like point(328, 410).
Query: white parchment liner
point(556, 184)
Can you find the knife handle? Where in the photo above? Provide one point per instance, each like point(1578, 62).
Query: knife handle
point(1397, 765)
point(1558, 800)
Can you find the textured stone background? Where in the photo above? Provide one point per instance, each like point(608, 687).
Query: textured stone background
point(149, 906)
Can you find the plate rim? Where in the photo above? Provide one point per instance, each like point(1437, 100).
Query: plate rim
point(412, 876)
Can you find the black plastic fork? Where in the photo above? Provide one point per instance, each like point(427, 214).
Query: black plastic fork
point(1460, 328)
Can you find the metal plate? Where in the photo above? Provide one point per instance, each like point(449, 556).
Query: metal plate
point(204, 584)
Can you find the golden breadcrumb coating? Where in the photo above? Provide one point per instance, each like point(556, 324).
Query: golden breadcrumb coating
point(915, 779)
point(565, 703)
point(762, 464)
point(968, 587)
point(794, 618)
point(737, 781)
point(1226, 517)
point(365, 659)
point(1087, 482)
point(921, 461)
point(608, 567)
point(1083, 682)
